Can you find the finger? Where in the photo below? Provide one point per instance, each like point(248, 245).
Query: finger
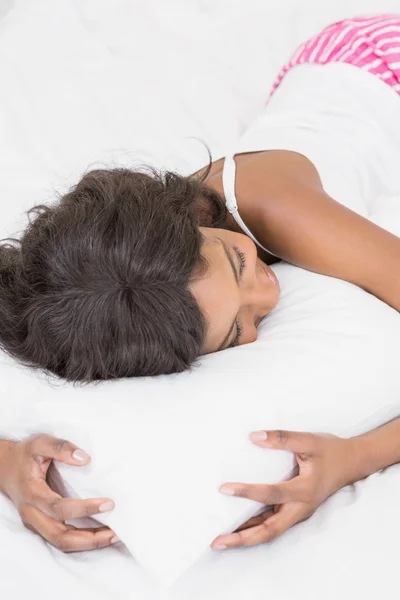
point(256, 520)
point(66, 537)
point(278, 493)
point(298, 442)
point(58, 449)
point(66, 509)
point(271, 528)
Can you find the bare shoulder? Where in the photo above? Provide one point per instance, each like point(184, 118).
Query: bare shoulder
point(281, 166)
point(261, 179)
point(276, 170)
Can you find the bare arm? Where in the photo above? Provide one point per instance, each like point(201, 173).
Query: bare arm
point(284, 203)
point(376, 449)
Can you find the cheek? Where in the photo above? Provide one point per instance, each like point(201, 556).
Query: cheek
point(213, 298)
point(218, 300)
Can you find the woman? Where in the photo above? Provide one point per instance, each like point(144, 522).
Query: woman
point(139, 274)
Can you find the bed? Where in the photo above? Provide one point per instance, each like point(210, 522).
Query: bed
point(96, 82)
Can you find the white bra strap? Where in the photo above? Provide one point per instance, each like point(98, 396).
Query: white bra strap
point(228, 182)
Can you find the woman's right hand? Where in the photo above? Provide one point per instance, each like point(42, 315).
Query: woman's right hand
point(23, 469)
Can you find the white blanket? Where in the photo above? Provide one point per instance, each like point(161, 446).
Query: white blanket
point(97, 80)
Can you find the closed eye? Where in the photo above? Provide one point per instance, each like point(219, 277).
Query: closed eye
point(242, 259)
point(242, 263)
point(237, 336)
point(237, 272)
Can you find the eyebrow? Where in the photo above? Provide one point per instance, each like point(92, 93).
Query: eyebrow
point(235, 272)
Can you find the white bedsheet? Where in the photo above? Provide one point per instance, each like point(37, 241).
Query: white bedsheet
point(101, 80)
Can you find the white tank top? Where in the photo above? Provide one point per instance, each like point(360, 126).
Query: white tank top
point(344, 120)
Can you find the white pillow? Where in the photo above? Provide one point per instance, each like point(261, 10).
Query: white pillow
point(326, 360)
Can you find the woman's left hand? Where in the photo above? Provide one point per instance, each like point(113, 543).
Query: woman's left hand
point(326, 463)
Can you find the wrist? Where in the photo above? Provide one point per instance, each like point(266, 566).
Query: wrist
point(377, 449)
point(360, 458)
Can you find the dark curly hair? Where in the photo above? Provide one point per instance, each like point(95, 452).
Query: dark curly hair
point(97, 286)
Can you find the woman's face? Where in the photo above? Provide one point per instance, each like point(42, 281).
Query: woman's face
point(237, 291)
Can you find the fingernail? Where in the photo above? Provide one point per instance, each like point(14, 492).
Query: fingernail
point(115, 540)
point(80, 455)
point(258, 436)
point(109, 505)
point(227, 490)
point(219, 547)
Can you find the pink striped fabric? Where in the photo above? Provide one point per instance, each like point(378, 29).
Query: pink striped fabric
point(370, 43)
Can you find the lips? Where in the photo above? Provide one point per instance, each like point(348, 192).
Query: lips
point(272, 278)
point(270, 274)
